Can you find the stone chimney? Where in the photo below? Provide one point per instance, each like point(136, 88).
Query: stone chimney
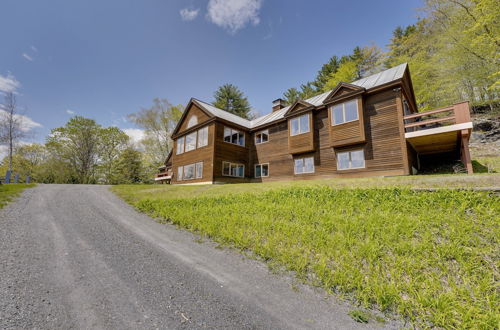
point(278, 104)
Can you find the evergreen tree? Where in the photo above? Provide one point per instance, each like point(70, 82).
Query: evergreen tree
point(228, 97)
point(326, 71)
point(291, 95)
point(128, 168)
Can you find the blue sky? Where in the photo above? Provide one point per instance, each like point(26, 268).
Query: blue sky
point(106, 59)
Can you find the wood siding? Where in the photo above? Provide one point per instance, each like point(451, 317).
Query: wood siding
point(203, 154)
point(194, 110)
point(302, 142)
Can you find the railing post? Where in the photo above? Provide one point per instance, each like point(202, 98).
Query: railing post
point(462, 112)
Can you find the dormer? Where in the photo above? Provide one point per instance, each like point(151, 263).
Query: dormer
point(345, 115)
point(300, 127)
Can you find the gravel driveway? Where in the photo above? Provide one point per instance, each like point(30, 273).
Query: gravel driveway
point(76, 256)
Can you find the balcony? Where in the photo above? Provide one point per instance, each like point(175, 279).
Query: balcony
point(441, 131)
point(163, 176)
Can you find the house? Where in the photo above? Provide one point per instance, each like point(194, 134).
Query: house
point(369, 127)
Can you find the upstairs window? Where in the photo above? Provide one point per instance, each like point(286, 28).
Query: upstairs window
point(234, 136)
point(232, 169)
point(262, 137)
point(261, 170)
point(180, 145)
point(344, 112)
point(304, 165)
point(191, 141)
point(203, 137)
point(350, 160)
point(299, 125)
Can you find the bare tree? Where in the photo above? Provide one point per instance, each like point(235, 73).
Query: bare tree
point(10, 124)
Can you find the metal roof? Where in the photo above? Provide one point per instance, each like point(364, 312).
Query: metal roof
point(374, 80)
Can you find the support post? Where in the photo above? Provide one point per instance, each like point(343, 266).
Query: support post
point(464, 151)
point(7, 176)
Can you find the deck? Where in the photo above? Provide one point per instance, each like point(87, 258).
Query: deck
point(441, 131)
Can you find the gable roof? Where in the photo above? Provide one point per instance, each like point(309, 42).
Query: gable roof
point(369, 82)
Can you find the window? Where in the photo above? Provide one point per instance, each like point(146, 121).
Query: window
point(350, 160)
point(233, 136)
point(261, 170)
point(299, 125)
point(192, 121)
point(180, 145)
point(344, 112)
point(262, 137)
point(191, 141)
point(190, 172)
point(304, 165)
point(203, 137)
point(199, 170)
point(232, 169)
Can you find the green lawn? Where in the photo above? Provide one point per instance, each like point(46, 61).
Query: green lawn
point(432, 257)
point(10, 191)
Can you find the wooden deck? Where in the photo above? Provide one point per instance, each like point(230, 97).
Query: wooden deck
point(441, 130)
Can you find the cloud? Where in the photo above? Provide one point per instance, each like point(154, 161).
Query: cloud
point(4, 150)
point(27, 124)
point(70, 112)
point(33, 48)
point(29, 58)
point(189, 14)
point(233, 15)
point(9, 83)
point(135, 134)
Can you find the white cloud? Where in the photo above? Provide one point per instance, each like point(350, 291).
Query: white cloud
point(9, 83)
point(135, 134)
point(27, 124)
point(29, 58)
point(33, 48)
point(70, 112)
point(233, 15)
point(189, 14)
point(4, 149)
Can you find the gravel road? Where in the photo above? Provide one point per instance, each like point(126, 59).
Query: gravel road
point(77, 257)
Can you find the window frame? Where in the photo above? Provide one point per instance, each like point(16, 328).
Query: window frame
point(303, 159)
point(232, 131)
point(230, 169)
point(350, 160)
point(198, 145)
point(183, 138)
point(266, 132)
point(261, 176)
point(299, 125)
point(196, 176)
point(195, 133)
point(343, 104)
point(180, 172)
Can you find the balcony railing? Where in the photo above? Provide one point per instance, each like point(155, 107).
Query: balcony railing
point(456, 114)
point(163, 176)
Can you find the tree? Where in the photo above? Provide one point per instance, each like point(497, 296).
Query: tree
point(128, 168)
point(112, 143)
point(10, 125)
point(347, 72)
point(291, 95)
point(77, 143)
point(158, 123)
point(228, 97)
point(326, 71)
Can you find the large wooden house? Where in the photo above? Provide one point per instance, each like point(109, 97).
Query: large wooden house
point(369, 127)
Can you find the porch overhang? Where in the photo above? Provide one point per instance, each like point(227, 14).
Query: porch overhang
point(439, 139)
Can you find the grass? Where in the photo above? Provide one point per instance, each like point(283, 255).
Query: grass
point(10, 191)
point(432, 257)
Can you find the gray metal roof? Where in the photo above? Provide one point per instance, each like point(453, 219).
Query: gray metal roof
point(374, 80)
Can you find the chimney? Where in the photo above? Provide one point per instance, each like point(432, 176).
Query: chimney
point(278, 104)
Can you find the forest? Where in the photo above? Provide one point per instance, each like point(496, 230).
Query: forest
point(453, 52)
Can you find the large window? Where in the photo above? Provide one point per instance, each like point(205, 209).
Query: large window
point(194, 140)
point(304, 165)
point(191, 141)
point(190, 172)
point(344, 112)
point(261, 170)
point(180, 145)
point(203, 137)
point(261, 137)
point(233, 136)
point(233, 169)
point(299, 125)
point(350, 160)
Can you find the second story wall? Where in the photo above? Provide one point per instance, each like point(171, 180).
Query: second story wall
point(229, 151)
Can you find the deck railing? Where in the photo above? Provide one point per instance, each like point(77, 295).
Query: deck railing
point(455, 114)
